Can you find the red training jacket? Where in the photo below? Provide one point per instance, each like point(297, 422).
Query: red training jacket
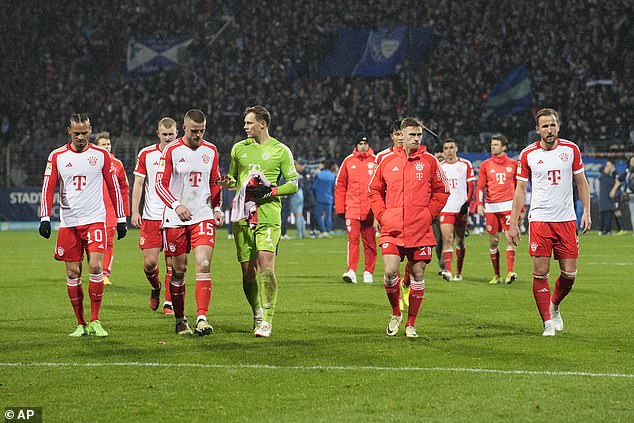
point(351, 187)
point(407, 193)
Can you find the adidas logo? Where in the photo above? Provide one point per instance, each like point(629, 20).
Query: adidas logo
point(395, 169)
point(182, 160)
point(243, 156)
point(492, 171)
point(101, 246)
point(69, 165)
point(155, 164)
point(540, 162)
point(543, 290)
point(353, 167)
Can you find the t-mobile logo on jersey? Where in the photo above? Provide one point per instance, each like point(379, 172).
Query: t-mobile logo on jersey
point(79, 182)
point(195, 178)
point(452, 182)
point(554, 176)
point(501, 178)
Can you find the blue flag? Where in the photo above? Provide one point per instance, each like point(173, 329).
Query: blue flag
point(361, 52)
point(149, 55)
point(511, 95)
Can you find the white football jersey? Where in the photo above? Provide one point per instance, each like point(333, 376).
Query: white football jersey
point(189, 176)
point(147, 166)
point(550, 173)
point(458, 174)
point(81, 178)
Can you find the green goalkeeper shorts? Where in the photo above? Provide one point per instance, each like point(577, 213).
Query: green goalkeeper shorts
point(263, 237)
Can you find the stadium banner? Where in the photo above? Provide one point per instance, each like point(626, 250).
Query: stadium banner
point(511, 95)
point(23, 204)
point(147, 55)
point(362, 52)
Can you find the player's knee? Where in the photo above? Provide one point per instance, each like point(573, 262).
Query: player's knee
point(390, 279)
point(569, 275)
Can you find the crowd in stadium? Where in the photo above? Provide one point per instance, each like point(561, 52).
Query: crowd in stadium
point(579, 58)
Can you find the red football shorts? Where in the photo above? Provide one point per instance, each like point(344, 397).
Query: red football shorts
point(413, 254)
point(181, 240)
point(71, 242)
point(151, 235)
point(110, 232)
point(498, 222)
point(456, 219)
point(561, 238)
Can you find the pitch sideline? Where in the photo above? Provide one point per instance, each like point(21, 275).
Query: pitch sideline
point(333, 368)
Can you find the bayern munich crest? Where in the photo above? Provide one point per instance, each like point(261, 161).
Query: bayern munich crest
point(141, 240)
point(172, 247)
point(92, 160)
point(206, 158)
point(534, 246)
point(60, 251)
point(266, 155)
point(419, 166)
point(564, 157)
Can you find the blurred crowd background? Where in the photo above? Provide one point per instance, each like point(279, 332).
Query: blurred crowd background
point(61, 57)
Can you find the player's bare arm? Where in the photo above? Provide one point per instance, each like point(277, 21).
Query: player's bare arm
point(584, 196)
point(518, 202)
point(137, 190)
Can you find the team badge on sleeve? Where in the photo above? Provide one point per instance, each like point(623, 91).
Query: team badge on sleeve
point(49, 169)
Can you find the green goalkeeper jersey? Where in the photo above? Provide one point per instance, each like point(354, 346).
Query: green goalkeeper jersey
point(275, 161)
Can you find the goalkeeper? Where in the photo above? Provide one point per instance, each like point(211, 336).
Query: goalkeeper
point(257, 246)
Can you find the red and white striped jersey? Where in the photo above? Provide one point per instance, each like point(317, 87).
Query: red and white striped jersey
point(497, 178)
point(122, 178)
point(189, 176)
point(550, 173)
point(81, 177)
point(147, 166)
point(458, 174)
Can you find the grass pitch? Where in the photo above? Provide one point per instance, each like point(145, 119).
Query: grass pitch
point(480, 357)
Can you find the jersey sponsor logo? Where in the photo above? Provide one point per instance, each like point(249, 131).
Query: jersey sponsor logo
point(69, 164)
point(452, 182)
point(419, 166)
point(79, 182)
point(564, 157)
point(92, 160)
point(420, 176)
point(195, 178)
point(534, 246)
point(554, 176)
point(206, 158)
point(266, 155)
point(501, 178)
point(60, 251)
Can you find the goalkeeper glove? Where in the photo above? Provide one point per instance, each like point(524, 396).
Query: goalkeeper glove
point(122, 230)
point(261, 191)
point(45, 229)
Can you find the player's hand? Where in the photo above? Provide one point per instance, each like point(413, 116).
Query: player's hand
point(122, 230)
point(514, 233)
point(480, 210)
point(45, 229)
point(465, 208)
point(183, 213)
point(219, 217)
point(136, 220)
point(261, 191)
point(586, 222)
point(226, 182)
point(342, 215)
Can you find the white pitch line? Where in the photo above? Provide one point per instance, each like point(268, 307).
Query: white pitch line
point(344, 368)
